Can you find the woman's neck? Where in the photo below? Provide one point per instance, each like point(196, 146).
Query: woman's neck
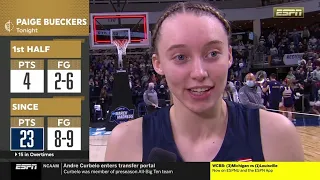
point(199, 126)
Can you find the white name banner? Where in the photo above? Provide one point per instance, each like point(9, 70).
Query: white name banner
point(292, 59)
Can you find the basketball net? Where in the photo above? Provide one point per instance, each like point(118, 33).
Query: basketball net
point(121, 45)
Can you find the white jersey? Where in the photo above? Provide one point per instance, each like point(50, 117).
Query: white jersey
point(97, 107)
point(287, 93)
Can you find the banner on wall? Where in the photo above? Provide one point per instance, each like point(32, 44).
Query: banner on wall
point(292, 59)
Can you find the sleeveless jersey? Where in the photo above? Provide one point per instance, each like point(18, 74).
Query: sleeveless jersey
point(242, 141)
point(288, 97)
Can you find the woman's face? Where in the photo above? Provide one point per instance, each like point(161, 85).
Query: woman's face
point(194, 55)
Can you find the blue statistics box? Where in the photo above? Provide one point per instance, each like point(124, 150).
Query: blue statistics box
point(27, 139)
point(26, 134)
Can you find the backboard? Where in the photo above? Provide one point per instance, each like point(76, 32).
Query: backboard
point(102, 24)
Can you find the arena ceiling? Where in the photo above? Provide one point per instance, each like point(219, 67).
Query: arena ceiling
point(103, 6)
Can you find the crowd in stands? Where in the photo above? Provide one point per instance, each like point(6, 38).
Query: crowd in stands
point(277, 43)
point(242, 52)
point(303, 79)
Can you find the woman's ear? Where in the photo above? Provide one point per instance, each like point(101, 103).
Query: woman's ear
point(230, 59)
point(156, 64)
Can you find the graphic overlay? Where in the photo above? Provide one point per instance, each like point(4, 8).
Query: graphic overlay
point(121, 39)
point(63, 71)
point(46, 49)
point(31, 170)
point(263, 170)
point(64, 76)
point(288, 12)
point(45, 106)
point(47, 18)
point(201, 170)
point(64, 133)
point(8, 26)
point(102, 23)
point(27, 76)
point(45, 59)
point(27, 134)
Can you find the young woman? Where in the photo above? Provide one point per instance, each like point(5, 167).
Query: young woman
point(287, 99)
point(191, 48)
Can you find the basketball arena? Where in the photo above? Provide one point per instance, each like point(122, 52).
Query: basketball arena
point(120, 36)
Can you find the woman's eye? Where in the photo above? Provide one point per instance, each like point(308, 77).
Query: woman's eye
point(180, 57)
point(212, 54)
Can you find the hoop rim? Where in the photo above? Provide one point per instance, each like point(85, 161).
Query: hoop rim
point(120, 41)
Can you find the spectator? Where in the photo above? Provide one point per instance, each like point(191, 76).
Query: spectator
point(295, 37)
point(316, 87)
point(250, 94)
point(307, 92)
point(305, 33)
point(290, 77)
point(162, 93)
point(316, 108)
point(231, 93)
point(273, 51)
point(287, 98)
point(150, 97)
point(274, 92)
point(261, 50)
point(313, 41)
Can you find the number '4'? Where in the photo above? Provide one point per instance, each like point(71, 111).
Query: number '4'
point(27, 80)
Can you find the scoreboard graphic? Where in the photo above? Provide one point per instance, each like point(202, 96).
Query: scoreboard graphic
point(49, 117)
point(27, 134)
point(64, 133)
point(27, 76)
point(44, 86)
point(64, 76)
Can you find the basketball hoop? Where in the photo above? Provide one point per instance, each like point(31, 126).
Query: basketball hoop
point(122, 45)
point(120, 38)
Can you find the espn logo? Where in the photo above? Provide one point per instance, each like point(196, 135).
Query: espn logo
point(288, 12)
point(26, 166)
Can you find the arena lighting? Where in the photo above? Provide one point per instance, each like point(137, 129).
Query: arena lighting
point(116, 17)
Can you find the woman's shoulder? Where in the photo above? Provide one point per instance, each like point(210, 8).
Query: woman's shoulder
point(280, 139)
point(125, 142)
point(122, 130)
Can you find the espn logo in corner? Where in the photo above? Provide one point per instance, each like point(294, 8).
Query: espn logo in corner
point(288, 12)
point(26, 167)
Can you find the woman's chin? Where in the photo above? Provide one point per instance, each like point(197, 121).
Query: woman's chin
point(201, 107)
